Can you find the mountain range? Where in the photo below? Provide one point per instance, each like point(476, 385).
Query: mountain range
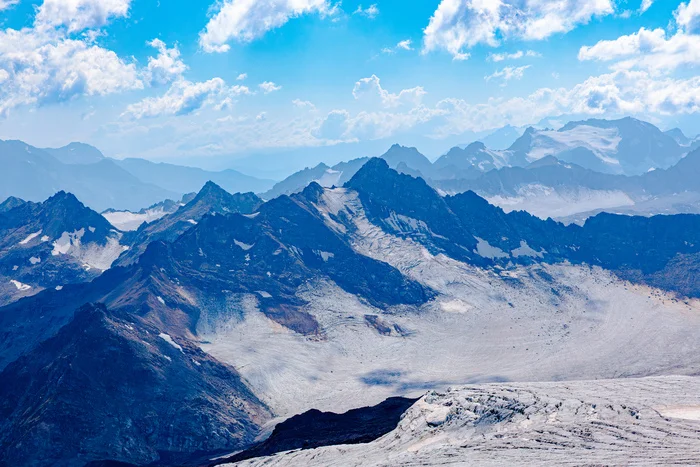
point(568, 174)
point(102, 183)
point(231, 311)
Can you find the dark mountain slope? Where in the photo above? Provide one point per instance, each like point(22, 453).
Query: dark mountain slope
point(211, 199)
point(106, 387)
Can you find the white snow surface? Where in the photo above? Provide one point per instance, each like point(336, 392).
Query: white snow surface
point(243, 246)
point(646, 421)
point(127, 220)
point(484, 326)
point(20, 286)
point(92, 255)
point(30, 237)
point(170, 341)
point(330, 178)
point(603, 142)
point(544, 201)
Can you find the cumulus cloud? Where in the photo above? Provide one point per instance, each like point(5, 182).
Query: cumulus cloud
point(185, 97)
point(371, 89)
point(40, 67)
point(165, 67)
point(687, 16)
point(247, 20)
point(303, 104)
point(370, 12)
point(508, 73)
point(646, 4)
point(268, 86)
point(5, 4)
point(647, 49)
point(458, 25)
point(241, 77)
point(78, 15)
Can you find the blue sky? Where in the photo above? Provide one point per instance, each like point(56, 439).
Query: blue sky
point(198, 81)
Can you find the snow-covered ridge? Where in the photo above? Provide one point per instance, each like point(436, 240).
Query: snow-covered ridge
point(603, 142)
point(611, 422)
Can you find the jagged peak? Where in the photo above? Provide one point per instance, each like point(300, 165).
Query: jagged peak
point(312, 192)
point(64, 198)
point(210, 190)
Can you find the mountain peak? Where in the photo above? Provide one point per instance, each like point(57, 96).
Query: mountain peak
point(76, 153)
point(475, 147)
point(209, 190)
point(64, 198)
point(11, 203)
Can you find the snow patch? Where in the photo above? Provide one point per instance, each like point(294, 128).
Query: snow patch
point(170, 341)
point(243, 246)
point(20, 286)
point(30, 237)
point(127, 221)
point(525, 250)
point(485, 250)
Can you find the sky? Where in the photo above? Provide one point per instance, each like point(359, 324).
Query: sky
point(231, 80)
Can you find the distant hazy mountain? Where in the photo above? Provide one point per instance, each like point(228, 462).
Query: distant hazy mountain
point(34, 175)
point(503, 138)
point(52, 244)
point(180, 179)
point(552, 188)
point(76, 153)
point(626, 146)
point(467, 163)
point(398, 157)
point(678, 135)
point(321, 174)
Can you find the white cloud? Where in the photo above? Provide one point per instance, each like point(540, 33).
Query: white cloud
point(5, 4)
point(513, 56)
point(185, 97)
point(405, 45)
point(268, 86)
point(41, 67)
point(303, 104)
point(508, 73)
point(167, 66)
point(247, 20)
point(458, 25)
point(647, 49)
point(646, 4)
point(401, 45)
point(371, 88)
point(241, 77)
point(78, 15)
point(687, 16)
point(370, 12)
